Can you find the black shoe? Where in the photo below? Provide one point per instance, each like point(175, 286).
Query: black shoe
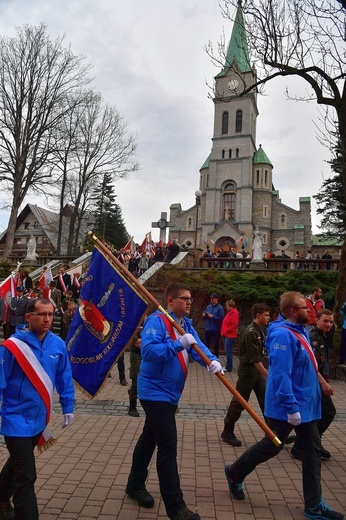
point(322, 512)
point(123, 382)
point(230, 438)
point(325, 454)
point(296, 454)
point(143, 497)
point(185, 514)
point(235, 488)
point(6, 510)
point(290, 439)
point(133, 412)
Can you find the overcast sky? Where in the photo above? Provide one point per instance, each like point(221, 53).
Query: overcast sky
point(149, 61)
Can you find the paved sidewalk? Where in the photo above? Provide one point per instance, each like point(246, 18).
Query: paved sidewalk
point(84, 475)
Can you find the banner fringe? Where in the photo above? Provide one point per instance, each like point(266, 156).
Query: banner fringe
point(46, 445)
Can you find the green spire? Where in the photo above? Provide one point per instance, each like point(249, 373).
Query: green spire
point(237, 49)
point(261, 157)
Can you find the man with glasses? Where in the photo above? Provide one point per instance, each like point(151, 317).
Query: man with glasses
point(33, 362)
point(160, 384)
point(292, 400)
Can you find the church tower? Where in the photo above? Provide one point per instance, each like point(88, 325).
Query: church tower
point(227, 181)
point(236, 191)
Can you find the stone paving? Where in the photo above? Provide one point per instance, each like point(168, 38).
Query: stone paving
point(84, 475)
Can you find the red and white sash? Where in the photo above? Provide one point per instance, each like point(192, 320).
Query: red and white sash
point(49, 297)
point(40, 381)
point(62, 284)
point(306, 345)
point(75, 281)
point(183, 356)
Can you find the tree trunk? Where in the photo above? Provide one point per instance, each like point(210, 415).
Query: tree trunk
point(11, 230)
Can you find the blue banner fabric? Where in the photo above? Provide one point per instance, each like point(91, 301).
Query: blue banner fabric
point(109, 312)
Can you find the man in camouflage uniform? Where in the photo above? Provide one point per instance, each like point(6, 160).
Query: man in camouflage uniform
point(252, 374)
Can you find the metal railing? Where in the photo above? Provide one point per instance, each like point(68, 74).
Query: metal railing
point(272, 264)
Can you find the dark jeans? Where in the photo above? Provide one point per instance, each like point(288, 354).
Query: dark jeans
point(327, 416)
point(159, 429)
point(212, 340)
point(249, 379)
point(18, 477)
point(228, 344)
point(266, 449)
point(135, 363)
point(121, 368)
point(342, 354)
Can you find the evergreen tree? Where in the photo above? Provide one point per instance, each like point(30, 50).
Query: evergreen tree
point(331, 201)
point(107, 218)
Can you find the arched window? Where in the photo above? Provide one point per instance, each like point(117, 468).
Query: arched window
point(230, 153)
point(239, 121)
point(229, 200)
point(223, 154)
point(237, 152)
point(225, 123)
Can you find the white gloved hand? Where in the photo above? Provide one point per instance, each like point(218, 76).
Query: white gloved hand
point(68, 418)
point(214, 367)
point(294, 418)
point(187, 340)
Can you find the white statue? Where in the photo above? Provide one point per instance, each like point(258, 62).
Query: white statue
point(31, 249)
point(257, 244)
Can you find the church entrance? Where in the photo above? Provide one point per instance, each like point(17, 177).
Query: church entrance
point(224, 243)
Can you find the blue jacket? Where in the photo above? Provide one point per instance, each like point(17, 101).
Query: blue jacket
point(292, 384)
point(214, 324)
point(23, 411)
point(161, 377)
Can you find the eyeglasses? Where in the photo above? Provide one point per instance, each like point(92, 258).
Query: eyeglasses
point(306, 308)
point(184, 298)
point(43, 314)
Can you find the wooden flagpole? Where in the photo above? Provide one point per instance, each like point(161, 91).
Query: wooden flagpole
point(181, 331)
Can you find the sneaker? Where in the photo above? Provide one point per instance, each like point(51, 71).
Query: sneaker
point(230, 438)
point(224, 369)
point(185, 514)
point(322, 512)
point(296, 454)
point(325, 454)
point(235, 488)
point(143, 497)
point(6, 510)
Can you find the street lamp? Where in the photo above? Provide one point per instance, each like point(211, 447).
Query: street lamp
point(198, 195)
point(105, 200)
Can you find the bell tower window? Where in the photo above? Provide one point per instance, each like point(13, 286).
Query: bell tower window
point(239, 121)
point(225, 123)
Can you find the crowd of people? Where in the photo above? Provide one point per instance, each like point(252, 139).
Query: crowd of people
point(286, 364)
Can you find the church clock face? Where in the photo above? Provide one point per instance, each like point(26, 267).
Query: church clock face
point(232, 85)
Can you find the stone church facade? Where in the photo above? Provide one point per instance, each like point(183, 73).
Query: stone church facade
point(236, 191)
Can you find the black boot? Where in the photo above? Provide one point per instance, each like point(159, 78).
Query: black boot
point(133, 412)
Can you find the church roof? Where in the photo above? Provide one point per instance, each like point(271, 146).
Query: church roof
point(206, 163)
point(237, 49)
point(261, 157)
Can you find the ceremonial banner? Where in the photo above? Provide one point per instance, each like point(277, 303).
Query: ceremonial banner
point(110, 310)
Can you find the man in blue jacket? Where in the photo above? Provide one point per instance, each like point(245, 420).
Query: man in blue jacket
point(33, 362)
point(213, 315)
point(292, 400)
point(160, 383)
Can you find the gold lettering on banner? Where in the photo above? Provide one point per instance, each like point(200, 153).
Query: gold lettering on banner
point(122, 302)
point(98, 357)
